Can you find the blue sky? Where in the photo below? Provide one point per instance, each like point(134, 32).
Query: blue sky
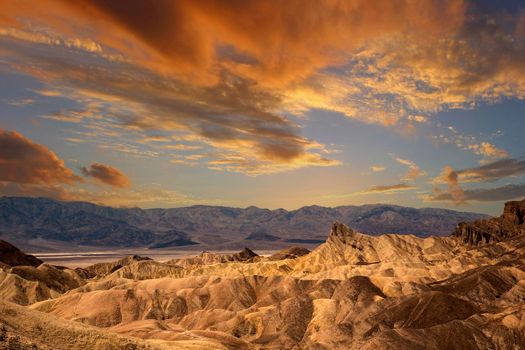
point(418, 104)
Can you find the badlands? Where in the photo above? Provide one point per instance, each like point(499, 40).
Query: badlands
point(355, 291)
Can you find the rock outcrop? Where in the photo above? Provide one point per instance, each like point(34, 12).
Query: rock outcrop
point(289, 253)
point(511, 223)
point(341, 233)
point(209, 258)
point(12, 256)
point(103, 269)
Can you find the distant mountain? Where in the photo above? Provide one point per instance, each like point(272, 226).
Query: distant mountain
point(46, 224)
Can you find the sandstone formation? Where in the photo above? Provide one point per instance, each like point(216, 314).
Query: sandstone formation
point(207, 258)
point(103, 269)
point(510, 223)
point(289, 253)
point(12, 256)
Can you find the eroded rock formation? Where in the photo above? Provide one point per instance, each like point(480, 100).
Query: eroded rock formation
point(509, 224)
point(12, 256)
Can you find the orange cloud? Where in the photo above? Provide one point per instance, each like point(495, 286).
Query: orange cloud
point(450, 177)
point(265, 41)
point(144, 197)
point(22, 161)
point(389, 188)
point(232, 117)
point(488, 150)
point(107, 175)
point(377, 168)
point(414, 171)
point(225, 71)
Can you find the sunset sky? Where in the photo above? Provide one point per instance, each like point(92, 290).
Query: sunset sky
point(269, 103)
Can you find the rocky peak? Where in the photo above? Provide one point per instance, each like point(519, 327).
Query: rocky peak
point(341, 233)
point(244, 255)
point(514, 212)
point(12, 256)
point(511, 223)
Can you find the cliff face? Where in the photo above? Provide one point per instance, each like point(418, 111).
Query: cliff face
point(511, 223)
point(514, 212)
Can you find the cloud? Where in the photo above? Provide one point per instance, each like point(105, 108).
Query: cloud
point(493, 171)
point(377, 168)
point(228, 74)
point(46, 38)
point(273, 46)
point(389, 188)
point(454, 190)
point(30, 190)
point(390, 60)
point(144, 197)
point(30, 169)
point(21, 102)
point(502, 193)
point(414, 171)
point(490, 172)
point(378, 189)
point(25, 162)
point(181, 147)
point(107, 175)
point(233, 116)
point(389, 82)
point(418, 118)
point(488, 150)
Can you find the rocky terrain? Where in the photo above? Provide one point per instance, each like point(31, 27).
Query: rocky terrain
point(11, 255)
point(355, 291)
point(38, 224)
point(511, 223)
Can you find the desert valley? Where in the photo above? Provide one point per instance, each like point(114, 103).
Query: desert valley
point(354, 291)
point(262, 174)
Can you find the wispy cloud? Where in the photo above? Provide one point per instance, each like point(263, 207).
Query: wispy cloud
point(493, 171)
point(375, 190)
point(21, 102)
point(414, 171)
point(488, 150)
point(501, 193)
point(377, 168)
point(389, 188)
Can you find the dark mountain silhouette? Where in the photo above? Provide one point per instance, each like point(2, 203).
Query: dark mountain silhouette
point(39, 223)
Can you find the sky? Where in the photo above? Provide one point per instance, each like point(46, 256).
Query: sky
point(277, 104)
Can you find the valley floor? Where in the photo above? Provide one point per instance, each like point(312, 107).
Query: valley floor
point(86, 258)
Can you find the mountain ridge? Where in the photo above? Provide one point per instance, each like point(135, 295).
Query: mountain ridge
point(42, 223)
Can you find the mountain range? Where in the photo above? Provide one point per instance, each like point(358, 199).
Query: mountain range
point(47, 224)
